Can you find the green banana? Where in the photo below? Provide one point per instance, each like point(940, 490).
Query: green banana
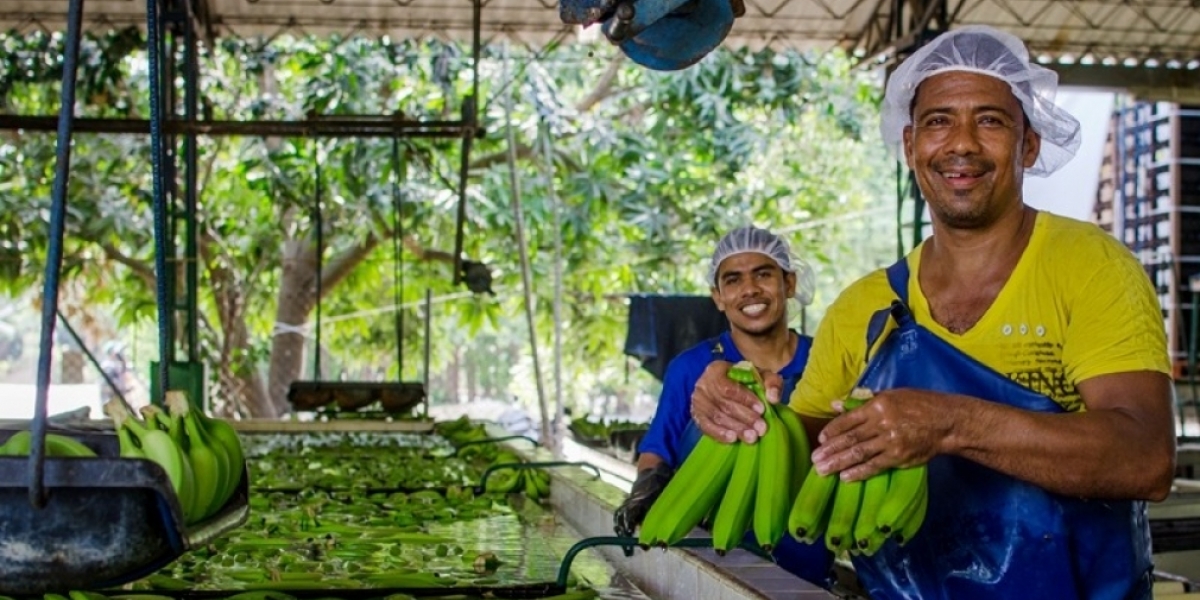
point(839, 533)
point(774, 496)
point(261, 595)
point(542, 479)
point(585, 594)
point(801, 449)
point(157, 419)
point(911, 523)
point(20, 444)
point(208, 461)
point(866, 535)
point(221, 432)
point(61, 445)
point(503, 481)
point(410, 580)
point(904, 493)
point(530, 485)
point(696, 487)
point(159, 581)
point(810, 511)
point(85, 595)
point(737, 504)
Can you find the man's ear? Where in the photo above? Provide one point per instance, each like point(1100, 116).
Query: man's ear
point(907, 137)
point(716, 298)
point(789, 284)
point(1033, 147)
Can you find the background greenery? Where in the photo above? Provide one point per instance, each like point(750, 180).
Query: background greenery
point(642, 171)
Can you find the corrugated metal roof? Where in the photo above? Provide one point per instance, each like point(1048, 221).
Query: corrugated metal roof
point(1139, 29)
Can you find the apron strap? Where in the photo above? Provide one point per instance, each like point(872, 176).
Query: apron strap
point(897, 276)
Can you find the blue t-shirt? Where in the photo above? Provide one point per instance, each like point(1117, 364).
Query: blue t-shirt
point(672, 433)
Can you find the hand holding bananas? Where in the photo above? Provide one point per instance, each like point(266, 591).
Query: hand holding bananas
point(649, 485)
point(900, 427)
point(201, 456)
point(859, 516)
point(741, 486)
point(728, 411)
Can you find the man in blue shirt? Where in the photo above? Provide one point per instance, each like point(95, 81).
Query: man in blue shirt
point(752, 276)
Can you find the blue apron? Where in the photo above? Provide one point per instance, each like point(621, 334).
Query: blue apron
point(987, 535)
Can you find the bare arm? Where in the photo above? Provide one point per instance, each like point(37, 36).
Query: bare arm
point(1122, 447)
point(648, 460)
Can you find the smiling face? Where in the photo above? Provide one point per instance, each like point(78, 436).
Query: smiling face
point(969, 146)
point(752, 290)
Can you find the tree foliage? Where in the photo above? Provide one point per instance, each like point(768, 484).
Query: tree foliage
point(642, 171)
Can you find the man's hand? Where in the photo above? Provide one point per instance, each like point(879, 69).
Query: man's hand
point(649, 485)
point(725, 410)
point(896, 428)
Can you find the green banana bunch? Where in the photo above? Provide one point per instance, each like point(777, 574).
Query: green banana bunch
point(766, 475)
point(215, 475)
point(192, 505)
point(20, 444)
point(814, 507)
point(537, 484)
point(692, 493)
point(860, 516)
point(152, 444)
point(505, 481)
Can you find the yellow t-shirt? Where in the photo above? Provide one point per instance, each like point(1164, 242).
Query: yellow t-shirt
point(1077, 305)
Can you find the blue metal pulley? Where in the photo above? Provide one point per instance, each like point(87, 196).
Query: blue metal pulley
point(665, 35)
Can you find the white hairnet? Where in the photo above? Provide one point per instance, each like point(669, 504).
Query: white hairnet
point(988, 51)
point(753, 239)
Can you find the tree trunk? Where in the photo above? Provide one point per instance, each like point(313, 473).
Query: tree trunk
point(237, 372)
point(472, 380)
point(297, 298)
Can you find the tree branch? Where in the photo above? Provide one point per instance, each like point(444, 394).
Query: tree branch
point(426, 254)
point(139, 268)
point(603, 87)
point(495, 158)
point(337, 268)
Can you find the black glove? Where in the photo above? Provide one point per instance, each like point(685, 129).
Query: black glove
point(650, 483)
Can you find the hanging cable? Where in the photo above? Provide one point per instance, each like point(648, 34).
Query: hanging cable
point(397, 272)
point(54, 254)
point(556, 207)
point(159, 203)
point(319, 223)
point(526, 275)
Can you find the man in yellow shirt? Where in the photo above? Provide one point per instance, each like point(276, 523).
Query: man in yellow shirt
point(1022, 357)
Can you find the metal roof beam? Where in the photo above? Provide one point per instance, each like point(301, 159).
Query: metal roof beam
point(1145, 83)
point(323, 127)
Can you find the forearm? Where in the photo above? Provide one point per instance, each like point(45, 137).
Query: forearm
point(1107, 453)
point(648, 460)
